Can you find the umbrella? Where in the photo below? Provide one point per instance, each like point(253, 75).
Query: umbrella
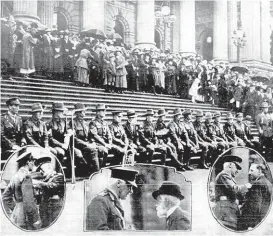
point(240, 68)
point(261, 76)
point(94, 33)
point(115, 36)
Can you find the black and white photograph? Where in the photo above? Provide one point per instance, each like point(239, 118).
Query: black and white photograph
point(240, 189)
point(32, 188)
point(139, 197)
point(168, 85)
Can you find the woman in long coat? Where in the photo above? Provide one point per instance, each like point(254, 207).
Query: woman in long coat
point(82, 67)
point(121, 80)
point(58, 69)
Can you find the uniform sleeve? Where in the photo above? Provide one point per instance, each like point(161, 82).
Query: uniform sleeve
point(231, 186)
point(50, 136)
point(5, 141)
point(93, 133)
point(97, 215)
point(173, 134)
point(7, 198)
point(29, 134)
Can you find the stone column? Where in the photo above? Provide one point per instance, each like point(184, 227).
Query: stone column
point(232, 25)
point(145, 25)
point(187, 26)
point(93, 14)
point(25, 10)
point(265, 31)
point(46, 12)
point(220, 30)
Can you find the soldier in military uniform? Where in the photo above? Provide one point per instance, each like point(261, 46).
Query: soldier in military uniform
point(180, 139)
point(249, 134)
point(131, 129)
point(120, 141)
point(81, 142)
point(203, 139)
point(230, 131)
point(35, 130)
point(163, 136)
point(18, 198)
point(149, 140)
point(49, 187)
point(60, 134)
point(265, 127)
point(219, 131)
point(99, 133)
point(105, 211)
point(239, 126)
point(11, 128)
point(227, 191)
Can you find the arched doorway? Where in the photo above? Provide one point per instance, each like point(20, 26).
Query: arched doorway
point(62, 23)
point(119, 28)
point(158, 42)
point(206, 40)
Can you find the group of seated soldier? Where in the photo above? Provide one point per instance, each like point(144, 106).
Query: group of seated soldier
point(177, 140)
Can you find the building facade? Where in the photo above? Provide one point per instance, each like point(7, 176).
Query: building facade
point(204, 27)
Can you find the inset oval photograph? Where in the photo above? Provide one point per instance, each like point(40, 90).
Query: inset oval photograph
point(139, 197)
point(32, 188)
point(240, 189)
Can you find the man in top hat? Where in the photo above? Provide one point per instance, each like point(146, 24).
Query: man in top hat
point(60, 134)
point(203, 139)
point(149, 140)
point(120, 141)
point(163, 136)
point(131, 129)
point(35, 130)
point(265, 127)
point(230, 131)
point(248, 132)
point(179, 137)
point(219, 131)
point(11, 128)
point(257, 201)
point(99, 133)
point(49, 186)
point(105, 211)
point(227, 191)
point(81, 141)
point(18, 198)
point(168, 198)
point(239, 126)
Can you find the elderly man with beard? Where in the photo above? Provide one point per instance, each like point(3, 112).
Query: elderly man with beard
point(105, 211)
point(227, 191)
point(49, 187)
point(257, 200)
point(168, 198)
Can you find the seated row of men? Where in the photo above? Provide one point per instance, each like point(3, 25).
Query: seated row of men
point(178, 140)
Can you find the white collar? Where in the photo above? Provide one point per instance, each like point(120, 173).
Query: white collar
point(171, 210)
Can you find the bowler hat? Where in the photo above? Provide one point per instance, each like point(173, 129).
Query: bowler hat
point(199, 113)
point(232, 158)
point(168, 188)
point(127, 175)
point(229, 116)
point(34, 25)
point(264, 105)
point(37, 107)
point(208, 115)
point(58, 106)
point(177, 111)
point(13, 101)
point(61, 32)
point(80, 107)
point(217, 114)
point(131, 113)
point(100, 107)
point(41, 161)
point(248, 117)
point(186, 112)
point(149, 112)
point(162, 112)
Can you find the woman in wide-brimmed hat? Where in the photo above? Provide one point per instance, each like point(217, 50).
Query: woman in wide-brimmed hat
point(121, 80)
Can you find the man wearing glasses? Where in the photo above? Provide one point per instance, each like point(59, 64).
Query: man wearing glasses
point(105, 211)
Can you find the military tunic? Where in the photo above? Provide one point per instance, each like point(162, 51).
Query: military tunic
point(105, 212)
point(231, 134)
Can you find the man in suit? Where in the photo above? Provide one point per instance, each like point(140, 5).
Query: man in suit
point(168, 198)
point(105, 211)
point(226, 192)
point(248, 132)
point(257, 200)
point(11, 128)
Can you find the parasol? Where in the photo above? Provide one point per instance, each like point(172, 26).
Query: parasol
point(242, 69)
point(261, 76)
point(94, 33)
